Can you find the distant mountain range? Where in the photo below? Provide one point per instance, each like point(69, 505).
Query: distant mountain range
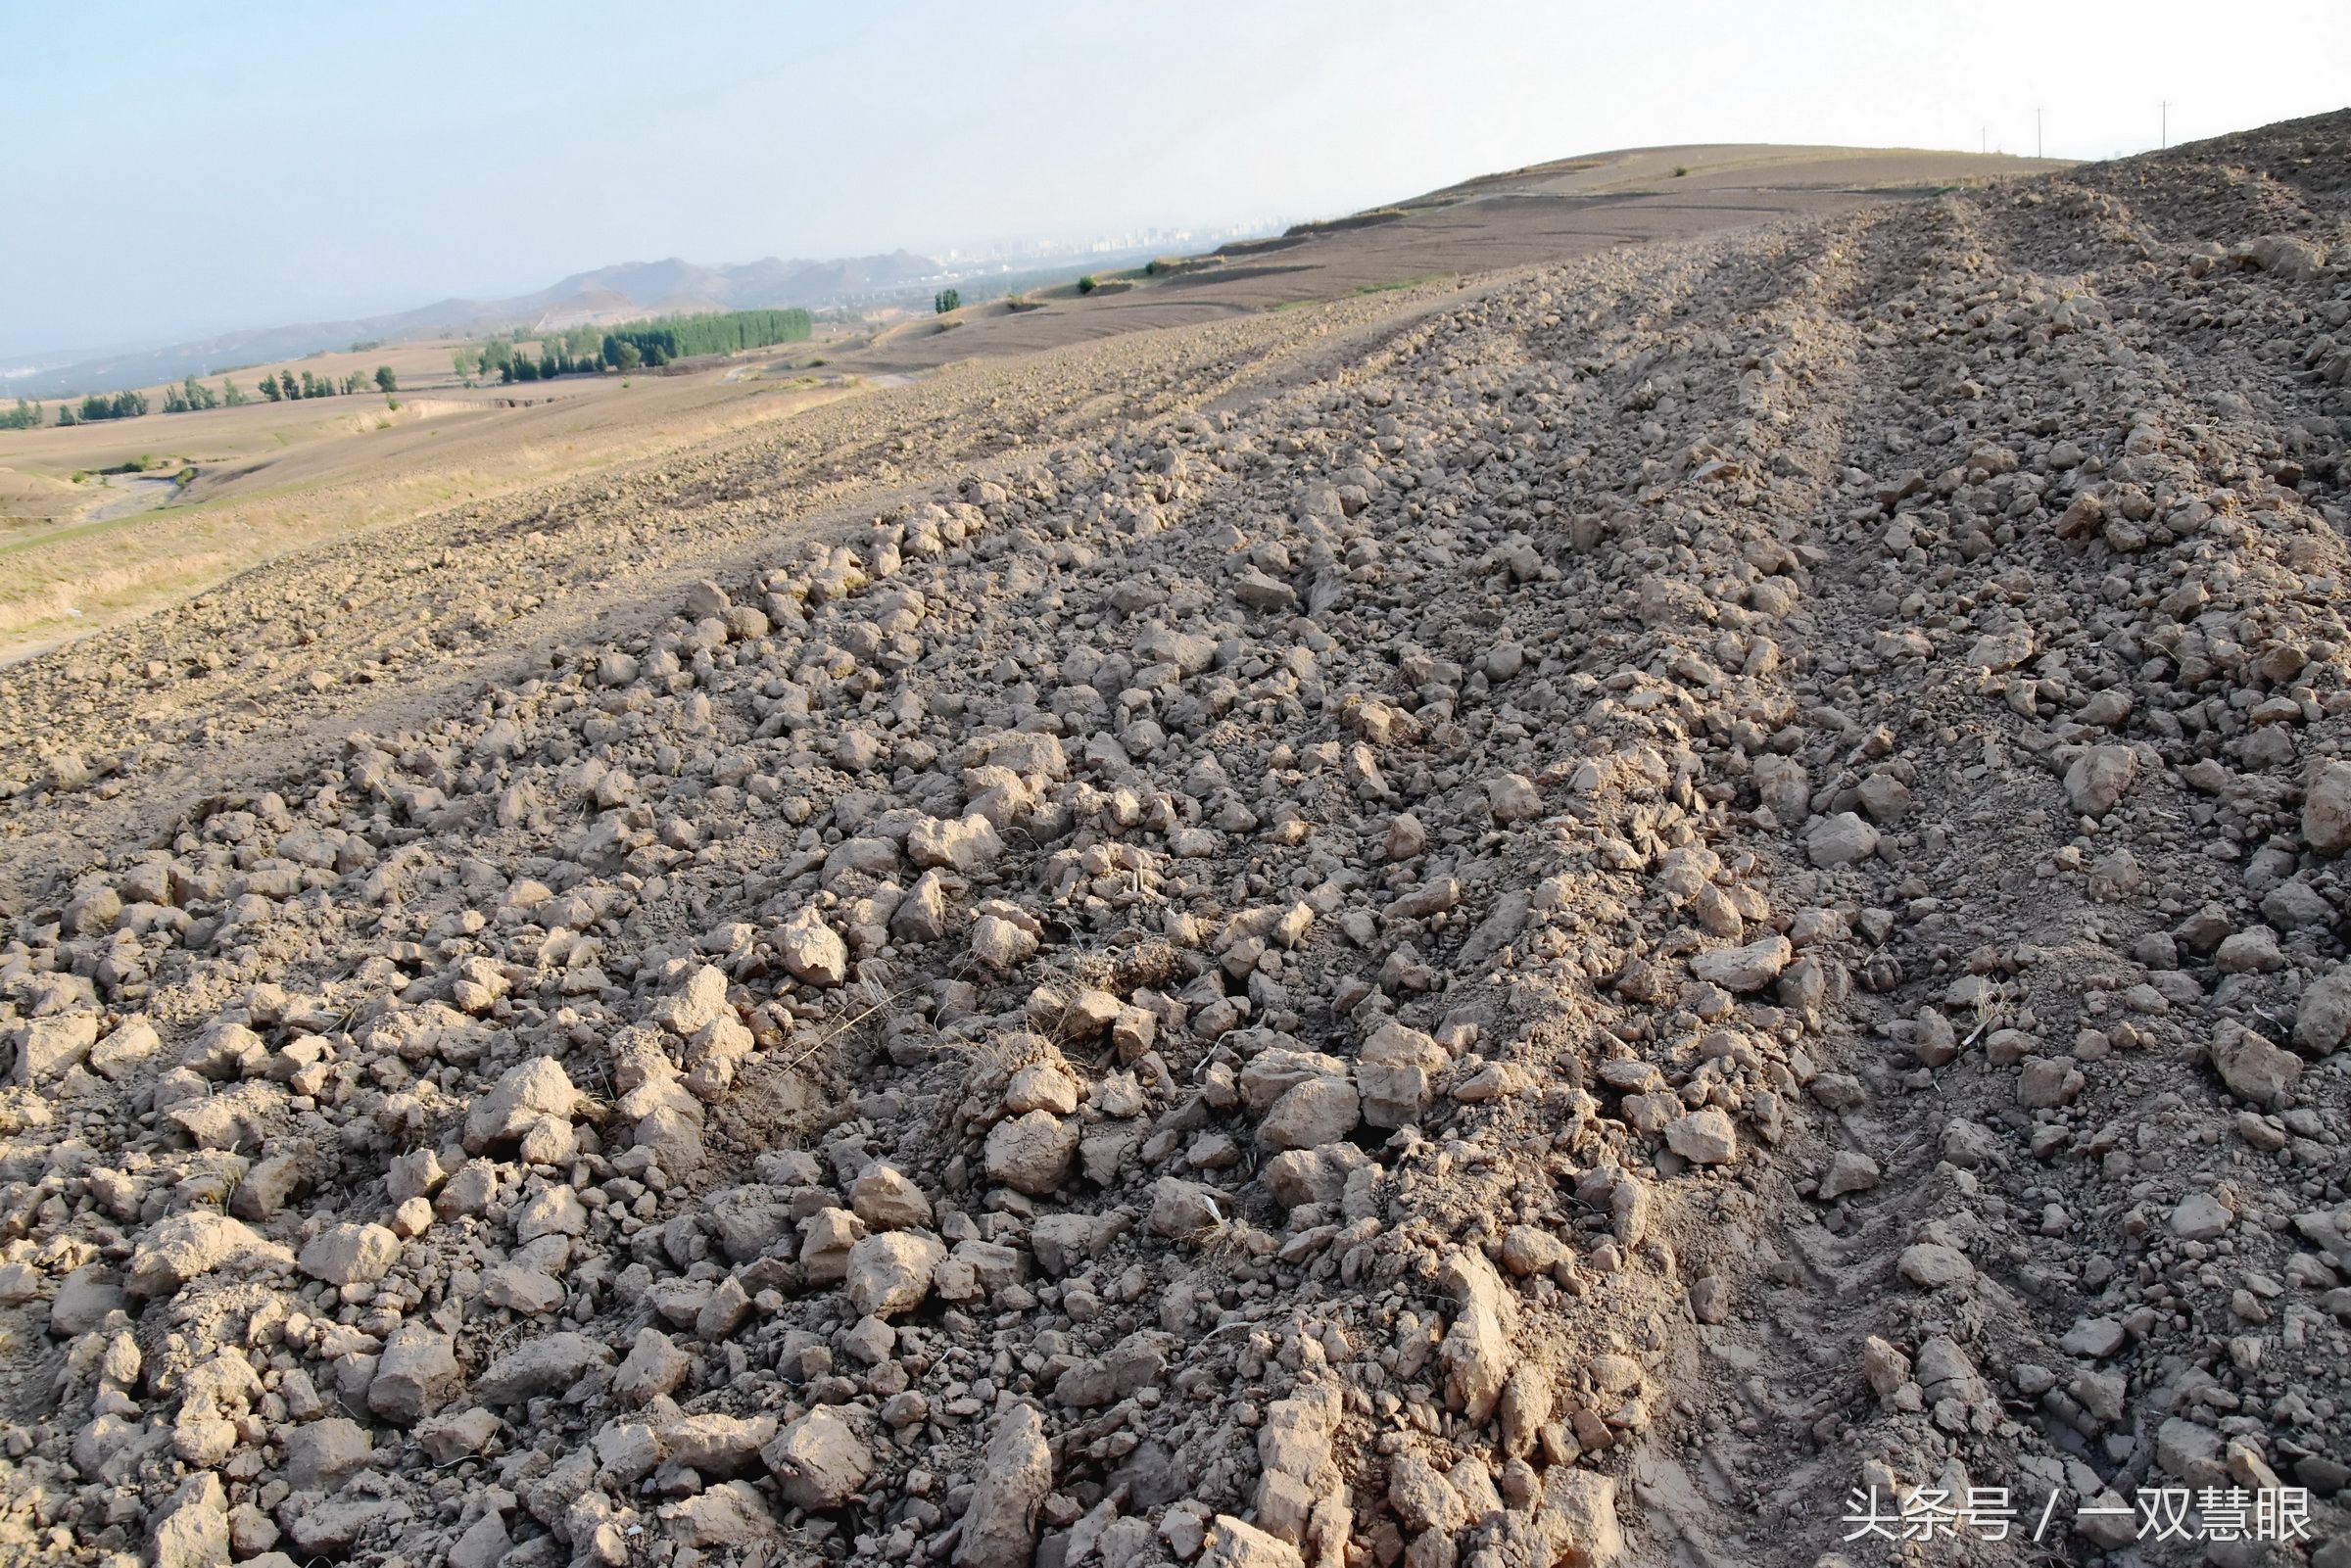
point(608, 294)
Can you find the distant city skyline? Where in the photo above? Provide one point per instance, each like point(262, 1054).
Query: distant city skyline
point(1017, 247)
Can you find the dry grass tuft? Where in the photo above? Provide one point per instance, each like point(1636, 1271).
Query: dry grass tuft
point(992, 1060)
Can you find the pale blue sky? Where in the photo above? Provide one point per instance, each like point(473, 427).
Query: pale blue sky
point(187, 167)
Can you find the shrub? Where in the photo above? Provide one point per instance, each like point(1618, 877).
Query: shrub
point(1679, 169)
point(946, 300)
point(1085, 284)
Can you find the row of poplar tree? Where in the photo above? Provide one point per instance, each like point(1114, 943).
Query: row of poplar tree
point(590, 351)
point(191, 395)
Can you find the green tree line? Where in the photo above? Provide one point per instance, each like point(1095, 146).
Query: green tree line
point(98, 406)
point(283, 388)
point(590, 350)
point(191, 394)
point(684, 337)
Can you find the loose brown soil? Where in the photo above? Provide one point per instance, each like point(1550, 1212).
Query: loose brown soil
point(1545, 921)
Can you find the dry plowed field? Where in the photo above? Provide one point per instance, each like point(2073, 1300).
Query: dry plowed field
point(1555, 921)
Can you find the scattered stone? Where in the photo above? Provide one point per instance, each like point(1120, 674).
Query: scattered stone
point(1577, 1518)
point(323, 1454)
point(1477, 1353)
point(1394, 1072)
point(1934, 1266)
point(1744, 969)
point(1016, 1472)
point(811, 951)
point(1849, 1174)
point(1314, 1112)
point(1032, 1153)
point(183, 1247)
point(191, 1531)
point(1840, 840)
point(2253, 1068)
point(2323, 1020)
point(1232, 1543)
point(1001, 942)
point(2326, 809)
point(416, 1375)
point(887, 1200)
point(1703, 1137)
point(891, 1274)
point(350, 1255)
point(2098, 777)
point(2200, 1216)
point(549, 1364)
point(731, 1514)
point(654, 1366)
point(533, 1102)
point(818, 1461)
point(1041, 1086)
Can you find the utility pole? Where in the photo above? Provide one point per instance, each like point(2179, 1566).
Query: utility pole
point(1982, 140)
point(2036, 133)
point(2164, 136)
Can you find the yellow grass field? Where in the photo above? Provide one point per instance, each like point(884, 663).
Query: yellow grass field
point(275, 477)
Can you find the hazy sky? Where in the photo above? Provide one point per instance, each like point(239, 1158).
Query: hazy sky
point(188, 168)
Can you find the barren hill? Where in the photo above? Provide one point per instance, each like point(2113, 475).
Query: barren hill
point(1556, 920)
point(674, 285)
point(1576, 206)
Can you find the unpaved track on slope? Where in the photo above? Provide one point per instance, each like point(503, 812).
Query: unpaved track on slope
point(1543, 924)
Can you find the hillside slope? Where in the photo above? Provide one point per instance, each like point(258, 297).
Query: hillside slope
point(1576, 206)
point(1558, 923)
